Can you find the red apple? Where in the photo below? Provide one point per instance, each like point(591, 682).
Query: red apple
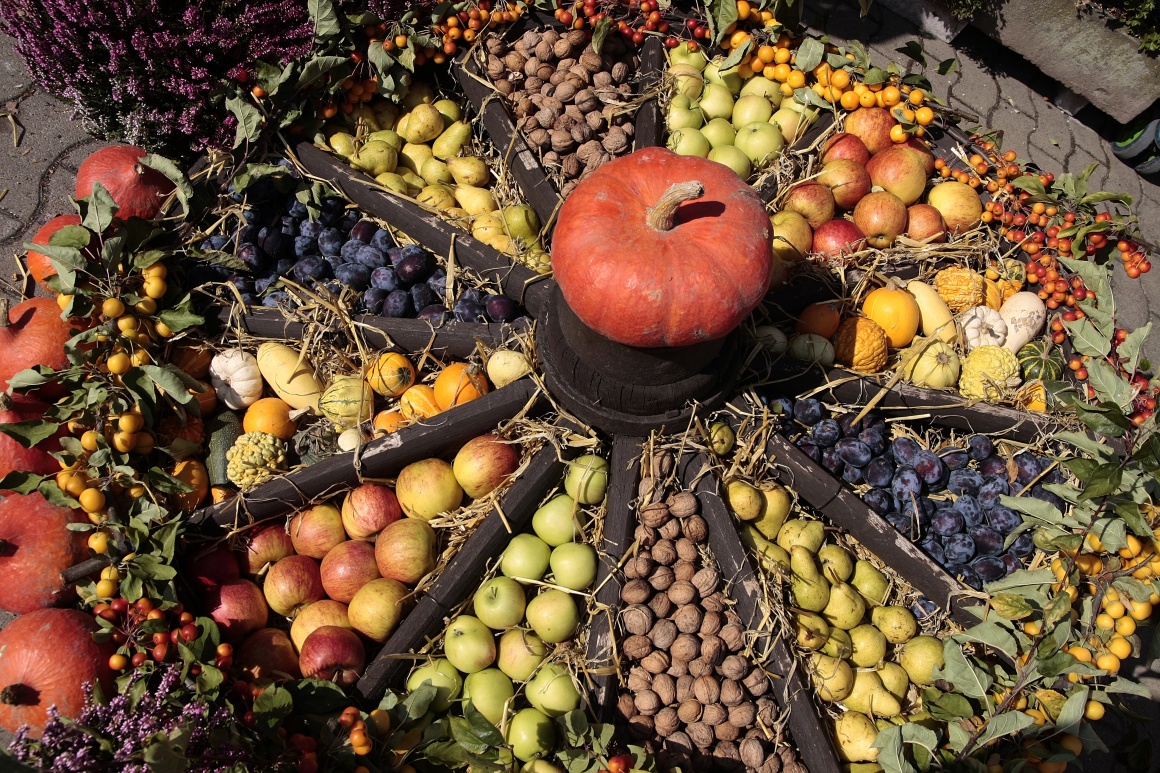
point(209, 568)
point(792, 236)
point(334, 654)
point(238, 607)
point(483, 464)
point(316, 530)
point(267, 544)
point(368, 509)
point(406, 550)
point(872, 125)
point(811, 200)
point(318, 614)
point(959, 205)
point(901, 171)
point(845, 145)
point(835, 237)
point(847, 180)
point(882, 217)
point(925, 223)
point(268, 653)
point(347, 568)
point(293, 583)
point(378, 607)
point(919, 145)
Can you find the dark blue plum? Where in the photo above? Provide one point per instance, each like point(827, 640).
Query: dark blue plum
point(1023, 545)
point(1028, 468)
point(436, 313)
point(874, 421)
point(310, 229)
point(1011, 562)
point(959, 548)
point(330, 242)
point(289, 226)
point(312, 268)
point(501, 308)
point(471, 294)
point(214, 242)
point(970, 578)
point(335, 261)
point(1043, 495)
point(201, 274)
point(946, 522)
point(919, 510)
point(438, 282)
point(354, 276)
point(808, 411)
point(905, 450)
point(373, 300)
point(993, 467)
point(398, 304)
point(880, 472)
point(252, 215)
point(304, 246)
point(364, 231)
point(964, 482)
point(253, 257)
point(826, 432)
point(931, 469)
point(979, 447)
point(854, 452)
point(423, 296)
point(956, 459)
point(467, 310)
point(248, 235)
point(923, 608)
point(990, 492)
point(879, 500)
point(332, 286)
point(244, 283)
point(348, 221)
point(395, 254)
point(875, 439)
point(262, 284)
point(988, 542)
point(275, 299)
point(780, 405)
point(832, 462)
point(349, 251)
point(906, 482)
point(901, 523)
point(371, 258)
point(852, 474)
point(933, 548)
point(296, 209)
point(414, 268)
point(1003, 519)
point(382, 241)
point(411, 250)
point(276, 244)
point(850, 428)
point(969, 507)
point(809, 448)
point(384, 279)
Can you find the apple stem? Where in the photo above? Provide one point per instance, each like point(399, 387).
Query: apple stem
point(664, 212)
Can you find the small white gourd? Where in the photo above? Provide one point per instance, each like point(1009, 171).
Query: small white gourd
point(1025, 314)
point(235, 378)
point(983, 326)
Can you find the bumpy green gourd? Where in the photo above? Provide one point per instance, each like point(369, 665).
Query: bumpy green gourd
point(254, 459)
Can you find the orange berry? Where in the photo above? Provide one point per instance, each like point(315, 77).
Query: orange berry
point(916, 96)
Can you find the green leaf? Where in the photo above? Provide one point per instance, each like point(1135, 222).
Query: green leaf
point(178, 319)
point(419, 700)
point(1036, 508)
point(1133, 588)
point(1086, 339)
point(1007, 723)
point(20, 482)
point(100, 211)
point(481, 727)
point(913, 50)
point(601, 33)
point(167, 378)
point(1057, 609)
point(735, 56)
point(31, 377)
point(321, 65)
point(326, 24)
point(1129, 348)
point(810, 54)
point(721, 14)
point(173, 173)
point(875, 75)
point(946, 705)
point(1100, 316)
point(1022, 578)
point(209, 679)
point(51, 492)
point(249, 117)
point(1101, 196)
point(1106, 480)
point(957, 736)
point(1130, 513)
point(272, 706)
point(948, 67)
point(1106, 420)
point(30, 432)
point(1095, 277)
point(968, 680)
point(75, 236)
point(1029, 183)
point(1124, 686)
point(809, 97)
point(993, 635)
point(1011, 606)
point(891, 752)
point(463, 734)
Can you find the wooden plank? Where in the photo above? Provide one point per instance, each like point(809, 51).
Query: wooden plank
point(792, 691)
point(619, 525)
point(380, 458)
point(649, 125)
point(452, 339)
point(432, 231)
point(423, 621)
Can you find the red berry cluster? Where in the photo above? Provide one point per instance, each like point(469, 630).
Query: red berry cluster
point(634, 19)
point(143, 632)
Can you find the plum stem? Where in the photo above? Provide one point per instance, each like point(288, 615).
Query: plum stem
point(664, 212)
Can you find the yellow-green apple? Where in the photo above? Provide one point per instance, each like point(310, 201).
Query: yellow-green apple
point(520, 653)
point(716, 102)
point(587, 479)
point(443, 677)
point(525, 558)
point(531, 733)
point(734, 158)
point(730, 78)
point(792, 236)
point(553, 616)
point(683, 114)
point(689, 142)
point(682, 55)
point(268, 653)
point(489, 691)
point(719, 132)
point(469, 644)
point(377, 608)
point(318, 614)
point(958, 203)
point(427, 488)
point(483, 463)
point(499, 603)
point(573, 565)
point(406, 550)
point(760, 141)
point(751, 108)
point(552, 691)
point(559, 520)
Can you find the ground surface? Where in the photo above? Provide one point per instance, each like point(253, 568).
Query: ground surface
point(37, 175)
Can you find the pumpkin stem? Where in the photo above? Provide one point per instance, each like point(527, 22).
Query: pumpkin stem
point(15, 695)
point(664, 212)
point(3, 312)
point(5, 401)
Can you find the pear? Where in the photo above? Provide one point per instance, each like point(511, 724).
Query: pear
point(839, 644)
point(812, 630)
point(845, 608)
point(437, 196)
point(412, 156)
point(424, 124)
point(414, 181)
point(400, 126)
point(811, 591)
point(375, 158)
point(870, 582)
point(768, 552)
point(435, 171)
point(451, 141)
point(896, 623)
point(393, 182)
point(862, 767)
point(744, 500)
point(469, 170)
point(920, 657)
point(856, 734)
point(870, 696)
point(774, 511)
point(869, 646)
point(449, 109)
point(522, 223)
point(390, 137)
point(341, 143)
point(808, 534)
point(364, 115)
point(895, 680)
point(833, 677)
point(418, 94)
point(837, 564)
point(476, 201)
point(386, 112)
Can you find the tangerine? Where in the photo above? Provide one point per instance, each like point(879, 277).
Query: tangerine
point(820, 319)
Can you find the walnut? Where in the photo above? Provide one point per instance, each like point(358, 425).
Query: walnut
point(679, 741)
point(543, 72)
point(689, 711)
point(733, 635)
point(767, 712)
point(624, 89)
point(628, 128)
point(616, 141)
point(582, 133)
point(686, 548)
point(620, 72)
point(597, 160)
point(577, 74)
point(531, 66)
point(505, 87)
point(660, 605)
point(664, 552)
point(671, 530)
point(657, 662)
point(757, 682)
point(646, 536)
point(547, 116)
point(495, 46)
point(639, 679)
point(696, 529)
point(684, 688)
point(543, 50)
point(732, 692)
point(528, 40)
point(726, 731)
point(684, 570)
point(663, 633)
point(596, 121)
point(682, 591)
point(635, 592)
point(665, 686)
point(707, 689)
point(555, 104)
point(526, 106)
point(700, 668)
point(625, 706)
point(562, 49)
point(743, 714)
point(591, 61)
point(654, 515)
point(662, 579)
point(666, 721)
point(734, 667)
point(529, 124)
point(727, 751)
point(558, 78)
point(712, 650)
point(644, 489)
point(567, 63)
point(495, 67)
point(710, 623)
point(647, 702)
point(637, 647)
point(515, 61)
point(565, 123)
point(586, 100)
point(602, 80)
point(637, 619)
point(641, 727)
point(688, 618)
point(578, 38)
point(772, 764)
point(630, 569)
point(551, 158)
point(714, 714)
point(714, 603)
point(533, 84)
point(700, 734)
point(678, 669)
point(565, 92)
point(752, 752)
point(550, 36)
point(547, 89)
point(684, 647)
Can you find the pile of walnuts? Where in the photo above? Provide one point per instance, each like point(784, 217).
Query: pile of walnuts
point(691, 696)
point(567, 99)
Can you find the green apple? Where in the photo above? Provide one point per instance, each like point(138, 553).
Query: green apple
point(520, 653)
point(469, 644)
point(682, 55)
point(531, 733)
point(554, 616)
point(716, 102)
point(443, 676)
point(730, 79)
point(684, 118)
point(792, 236)
point(499, 603)
point(751, 108)
point(687, 80)
point(771, 90)
point(552, 691)
point(489, 691)
point(574, 565)
point(760, 142)
point(587, 479)
point(526, 558)
point(541, 766)
point(559, 521)
point(787, 121)
point(719, 132)
point(734, 158)
point(689, 142)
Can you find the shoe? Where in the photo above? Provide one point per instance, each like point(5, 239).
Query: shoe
point(1150, 162)
point(1135, 138)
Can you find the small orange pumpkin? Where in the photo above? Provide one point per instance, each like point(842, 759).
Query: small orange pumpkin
point(193, 360)
point(389, 421)
point(895, 311)
point(391, 374)
point(419, 403)
point(173, 427)
point(193, 474)
point(821, 319)
point(272, 416)
point(459, 383)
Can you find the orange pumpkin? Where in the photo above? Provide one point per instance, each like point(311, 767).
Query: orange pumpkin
point(272, 416)
point(656, 249)
point(389, 421)
point(895, 311)
point(40, 265)
point(193, 360)
point(193, 474)
point(173, 427)
point(821, 319)
point(419, 403)
point(206, 398)
point(459, 383)
point(391, 374)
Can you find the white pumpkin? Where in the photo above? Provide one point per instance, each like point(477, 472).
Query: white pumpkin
point(983, 326)
point(1025, 314)
point(235, 378)
point(771, 339)
point(811, 348)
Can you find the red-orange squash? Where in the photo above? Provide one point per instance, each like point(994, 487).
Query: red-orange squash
point(655, 249)
point(46, 658)
point(32, 333)
point(35, 547)
point(15, 457)
point(137, 189)
point(39, 265)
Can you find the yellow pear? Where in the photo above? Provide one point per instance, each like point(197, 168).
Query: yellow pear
point(837, 563)
point(833, 677)
point(469, 170)
point(393, 182)
point(811, 591)
point(341, 143)
point(920, 657)
point(437, 197)
point(856, 734)
point(451, 140)
point(400, 126)
point(768, 552)
point(375, 158)
point(475, 201)
point(869, 646)
point(435, 171)
point(418, 93)
point(424, 123)
point(812, 630)
point(870, 582)
point(449, 109)
point(721, 438)
point(775, 510)
point(363, 114)
point(839, 645)
point(869, 696)
point(412, 156)
point(386, 111)
point(390, 137)
point(897, 623)
point(744, 500)
point(808, 534)
point(522, 223)
point(861, 767)
point(414, 181)
point(894, 679)
point(845, 607)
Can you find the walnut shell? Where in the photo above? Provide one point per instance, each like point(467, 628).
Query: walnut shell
point(772, 764)
point(732, 692)
point(505, 87)
point(547, 88)
point(706, 581)
point(688, 618)
point(636, 591)
point(679, 741)
point(637, 647)
point(662, 579)
point(567, 63)
point(682, 591)
point(663, 633)
point(647, 702)
point(515, 61)
point(756, 682)
point(767, 712)
point(672, 528)
point(666, 721)
point(707, 689)
point(495, 46)
point(684, 688)
point(591, 61)
point(543, 50)
point(620, 72)
point(660, 605)
point(525, 106)
point(700, 734)
point(656, 514)
point(625, 706)
point(645, 535)
point(544, 72)
point(578, 37)
point(562, 49)
point(742, 715)
point(665, 686)
point(529, 124)
point(686, 548)
point(683, 504)
point(551, 158)
point(580, 74)
point(557, 78)
point(565, 92)
point(678, 669)
point(616, 141)
point(714, 714)
point(550, 36)
point(554, 104)
point(547, 116)
point(727, 751)
point(696, 529)
point(495, 67)
point(644, 564)
point(529, 39)
point(734, 667)
point(712, 650)
point(639, 679)
point(641, 727)
point(689, 711)
point(684, 570)
point(601, 80)
point(533, 84)
point(733, 636)
point(710, 623)
point(581, 133)
point(572, 166)
point(661, 464)
point(664, 552)
point(726, 731)
point(531, 66)
point(637, 619)
point(645, 488)
point(700, 668)
point(752, 752)
point(657, 662)
point(685, 647)
point(714, 603)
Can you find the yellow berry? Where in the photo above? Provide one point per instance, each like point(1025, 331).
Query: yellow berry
point(92, 500)
point(1094, 711)
point(106, 589)
point(99, 542)
point(113, 308)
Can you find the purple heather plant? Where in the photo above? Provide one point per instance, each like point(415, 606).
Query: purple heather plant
point(152, 72)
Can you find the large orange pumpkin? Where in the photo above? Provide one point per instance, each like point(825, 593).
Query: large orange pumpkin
point(655, 249)
point(459, 383)
point(32, 333)
point(40, 265)
point(137, 189)
point(37, 547)
point(271, 415)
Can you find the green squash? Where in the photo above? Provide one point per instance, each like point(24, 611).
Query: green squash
point(1041, 360)
point(348, 401)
